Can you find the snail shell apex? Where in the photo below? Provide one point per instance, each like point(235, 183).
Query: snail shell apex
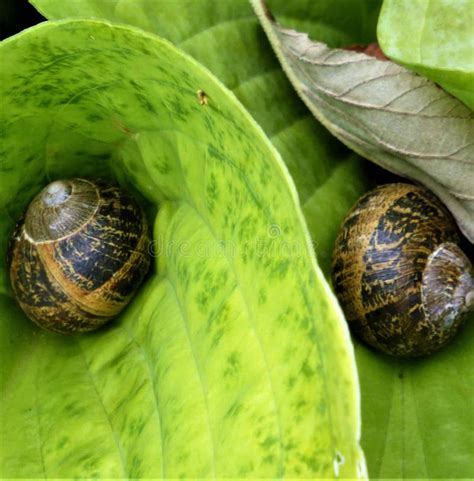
point(79, 255)
point(62, 208)
point(400, 277)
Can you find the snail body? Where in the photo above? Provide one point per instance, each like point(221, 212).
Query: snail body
point(404, 284)
point(78, 255)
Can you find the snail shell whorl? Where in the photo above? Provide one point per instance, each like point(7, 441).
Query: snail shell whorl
point(60, 209)
point(401, 279)
point(79, 256)
point(447, 286)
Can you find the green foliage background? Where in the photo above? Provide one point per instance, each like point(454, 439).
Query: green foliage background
point(416, 416)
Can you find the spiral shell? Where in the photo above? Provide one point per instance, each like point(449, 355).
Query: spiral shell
point(78, 255)
point(403, 282)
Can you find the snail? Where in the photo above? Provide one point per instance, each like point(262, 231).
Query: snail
point(78, 255)
point(403, 283)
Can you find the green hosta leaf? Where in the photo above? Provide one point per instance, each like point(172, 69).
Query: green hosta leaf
point(401, 121)
point(434, 38)
point(225, 36)
point(417, 416)
point(233, 361)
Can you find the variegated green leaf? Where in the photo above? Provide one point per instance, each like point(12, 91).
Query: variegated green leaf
point(233, 360)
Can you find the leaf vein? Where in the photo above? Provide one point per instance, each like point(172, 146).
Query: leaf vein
point(107, 416)
point(184, 317)
point(148, 363)
point(220, 24)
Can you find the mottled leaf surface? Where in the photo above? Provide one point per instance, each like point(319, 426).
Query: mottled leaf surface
point(234, 360)
point(434, 38)
point(226, 37)
point(437, 435)
point(398, 119)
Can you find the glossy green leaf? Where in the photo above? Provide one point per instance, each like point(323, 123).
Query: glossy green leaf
point(234, 359)
point(417, 418)
point(226, 38)
point(434, 38)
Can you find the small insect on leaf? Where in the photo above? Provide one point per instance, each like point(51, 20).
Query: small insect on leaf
point(203, 99)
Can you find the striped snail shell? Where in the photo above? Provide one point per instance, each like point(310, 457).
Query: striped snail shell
point(404, 284)
point(78, 255)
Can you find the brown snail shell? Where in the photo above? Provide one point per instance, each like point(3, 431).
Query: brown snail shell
point(78, 255)
point(404, 284)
